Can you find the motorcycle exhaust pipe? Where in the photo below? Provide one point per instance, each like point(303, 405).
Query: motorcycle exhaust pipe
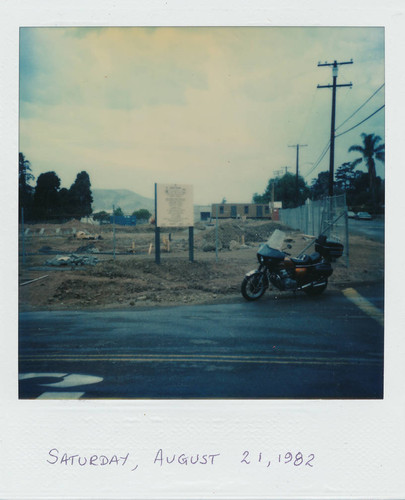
point(313, 284)
point(319, 284)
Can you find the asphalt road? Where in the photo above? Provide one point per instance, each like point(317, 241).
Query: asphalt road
point(285, 347)
point(372, 229)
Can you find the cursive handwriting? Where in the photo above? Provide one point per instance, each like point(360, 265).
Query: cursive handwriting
point(184, 459)
point(162, 458)
point(83, 460)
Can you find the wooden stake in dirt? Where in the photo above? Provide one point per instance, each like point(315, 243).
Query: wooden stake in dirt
point(150, 248)
point(166, 243)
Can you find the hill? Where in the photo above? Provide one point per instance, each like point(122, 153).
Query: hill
point(128, 201)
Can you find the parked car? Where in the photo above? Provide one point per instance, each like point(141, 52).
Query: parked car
point(363, 216)
point(351, 214)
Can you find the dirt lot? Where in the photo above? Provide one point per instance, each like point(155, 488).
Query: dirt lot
point(133, 279)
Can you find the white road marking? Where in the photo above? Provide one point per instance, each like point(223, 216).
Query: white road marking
point(61, 395)
point(69, 380)
point(74, 380)
point(25, 376)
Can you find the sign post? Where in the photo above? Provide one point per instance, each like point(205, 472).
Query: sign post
point(191, 243)
point(157, 232)
point(174, 208)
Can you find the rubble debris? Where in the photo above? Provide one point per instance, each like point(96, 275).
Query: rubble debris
point(248, 232)
point(90, 248)
point(234, 245)
point(85, 235)
point(210, 247)
point(72, 260)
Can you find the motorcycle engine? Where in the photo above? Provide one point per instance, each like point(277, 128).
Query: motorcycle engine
point(289, 284)
point(283, 281)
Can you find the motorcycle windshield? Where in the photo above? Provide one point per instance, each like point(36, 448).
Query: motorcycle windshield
point(276, 240)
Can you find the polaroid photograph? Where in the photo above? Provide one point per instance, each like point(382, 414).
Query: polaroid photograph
point(201, 276)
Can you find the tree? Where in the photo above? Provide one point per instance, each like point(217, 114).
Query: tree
point(25, 191)
point(80, 195)
point(370, 151)
point(358, 194)
point(102, 216)
point(142, 214)
point(345, 176)
point(65, 203)
point(118, 212)
point(284, 191)
point(320, 186)
point(46, 200)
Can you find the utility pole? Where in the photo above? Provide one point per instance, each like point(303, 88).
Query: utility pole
point(334, 65)
point(296, 172)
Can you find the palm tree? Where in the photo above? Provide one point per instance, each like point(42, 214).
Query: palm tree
point(370, 151)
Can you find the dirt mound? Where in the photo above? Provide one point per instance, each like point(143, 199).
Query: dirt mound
point(239, 231)
point(136, 280)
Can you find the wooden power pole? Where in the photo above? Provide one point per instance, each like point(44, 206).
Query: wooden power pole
point(334, 86)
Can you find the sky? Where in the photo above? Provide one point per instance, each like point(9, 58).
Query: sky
point(221, 108)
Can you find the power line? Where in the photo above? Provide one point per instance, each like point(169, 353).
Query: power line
point(365, 119)
point(325, 150)
point(316, 164)
point(359, 108)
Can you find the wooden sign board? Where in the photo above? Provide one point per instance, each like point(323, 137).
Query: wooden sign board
point(174, 205)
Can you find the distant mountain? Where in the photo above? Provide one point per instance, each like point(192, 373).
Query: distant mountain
point(128, 201)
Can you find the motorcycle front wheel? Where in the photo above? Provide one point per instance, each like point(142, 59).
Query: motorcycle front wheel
point(253, 286)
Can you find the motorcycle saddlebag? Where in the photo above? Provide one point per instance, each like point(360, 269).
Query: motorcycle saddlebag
point(329, 249)
point(324, 268)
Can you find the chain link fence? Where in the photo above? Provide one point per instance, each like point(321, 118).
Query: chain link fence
point(327, 216)
point(83, 239)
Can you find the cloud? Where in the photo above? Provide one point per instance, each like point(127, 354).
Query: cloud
point(216, 107)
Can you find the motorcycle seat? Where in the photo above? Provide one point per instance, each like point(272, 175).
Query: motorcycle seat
point(307, 259)
point(315, 257)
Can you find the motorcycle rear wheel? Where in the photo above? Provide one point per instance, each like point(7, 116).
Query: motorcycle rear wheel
point(316, 290)
point(253, 286)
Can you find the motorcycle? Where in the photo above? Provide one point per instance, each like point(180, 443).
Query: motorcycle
point(308, 273)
